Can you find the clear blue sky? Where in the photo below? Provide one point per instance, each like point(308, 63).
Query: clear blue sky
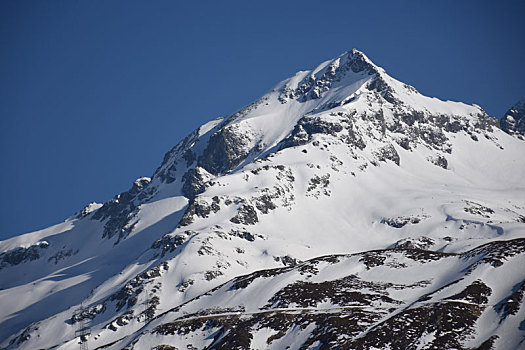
point(93, 93)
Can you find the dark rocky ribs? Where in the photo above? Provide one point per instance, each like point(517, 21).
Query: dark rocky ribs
point(388, 152)
point(488, 344)
point(422, 242)
point(407, 128)
point(24, 336)
point(512, 303)
point(20, 255)
point(250, 237)
point(449, 322)
point(165, 172)
point(168, 243)
point(319, 184)
point(440, 161)
point(246, 215)
point(347, 291)
point(379, 85)
point(495, 253)
point(313, 87)
point(309, 126)
point(361, 314)
point(401, 221)
point(164, 347)
point(476, 293)
point(226, 149)
point(126, 298)
point(478, 209)
point(264, 203)
point(61, 255)
point(194, 182)
point(119, 211)
point(200, 208)
point(244, 281)
point(513, 122)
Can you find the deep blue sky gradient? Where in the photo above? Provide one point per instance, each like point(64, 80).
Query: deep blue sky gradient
point(93, 93)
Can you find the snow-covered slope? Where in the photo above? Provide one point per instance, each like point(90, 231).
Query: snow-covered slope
point(338, 160)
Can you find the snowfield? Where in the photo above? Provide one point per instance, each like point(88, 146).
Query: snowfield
point(342, 209)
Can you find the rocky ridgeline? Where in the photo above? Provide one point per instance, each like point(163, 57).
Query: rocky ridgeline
point(513, 122)
point(352, 311)
point(224, 184)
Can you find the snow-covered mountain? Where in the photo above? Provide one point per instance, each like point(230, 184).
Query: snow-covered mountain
point(342, 209)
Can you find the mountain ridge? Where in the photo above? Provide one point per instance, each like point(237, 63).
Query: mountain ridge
point(338, 159)
point(513, 122)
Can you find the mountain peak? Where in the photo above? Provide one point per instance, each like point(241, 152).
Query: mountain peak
point(346, 69)
point(358, 56)
point(285, 193)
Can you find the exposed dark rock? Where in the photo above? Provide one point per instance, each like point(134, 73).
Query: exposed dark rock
point(477, 293)
point(196, 207)
point(194, 182)
point(478, 209)
point(215, 207)
point(24, 336)
point(307, 127)
point(88, 209)
point(511, 304)
point(20, 255)
point(488, 344)
point(169, 243)
point(312, 87)
point(287, 260)
point(440, 161)
point(119, 211)
point(450, 323)
point(246, 215)
point(354, 139)
point(401, 221)
point(88, 313)
point(243, 234)
point(379, 84)
point(513, 122)
point(319, 126)
point(350, 312)
point(410, 243)
point(319, 183)
point(61, 255)
point(342, 292)
point(226, 149)
point(264, 203)
point(164, 347)
point(388, 152)
point(496, 253)
point(189, 156)
point(210, 275)
point(128, 295)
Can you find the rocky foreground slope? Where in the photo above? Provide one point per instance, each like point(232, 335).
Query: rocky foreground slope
point(343, 209)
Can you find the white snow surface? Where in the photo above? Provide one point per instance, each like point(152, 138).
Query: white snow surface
point(327, 197)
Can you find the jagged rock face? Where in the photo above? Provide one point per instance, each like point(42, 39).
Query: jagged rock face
point(226, 149)
point(117, 212)
point(513, 122)
point(248, 233)
point(19, 255)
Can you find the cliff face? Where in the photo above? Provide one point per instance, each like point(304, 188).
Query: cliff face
point(513, 122)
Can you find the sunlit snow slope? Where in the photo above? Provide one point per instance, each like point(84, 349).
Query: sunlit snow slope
point(402, 199)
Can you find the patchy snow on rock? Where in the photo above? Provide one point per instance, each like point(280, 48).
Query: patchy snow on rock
point(339, 210)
